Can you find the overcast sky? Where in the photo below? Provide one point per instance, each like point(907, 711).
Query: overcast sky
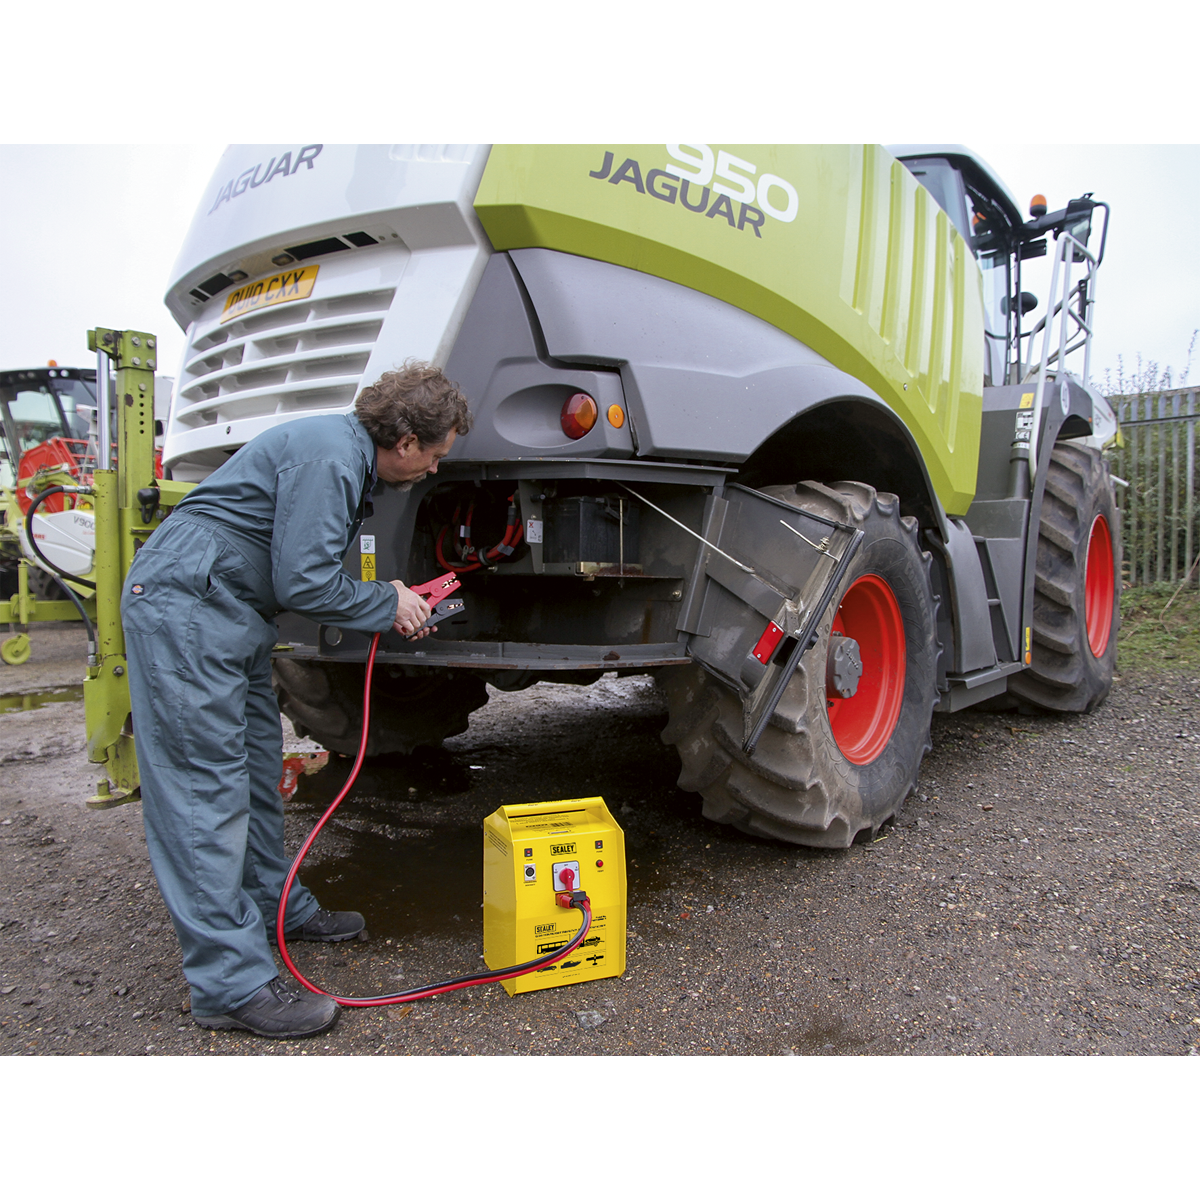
point(88, 233)
point(88, 236)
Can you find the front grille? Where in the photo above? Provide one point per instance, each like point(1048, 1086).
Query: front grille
point(292, 358)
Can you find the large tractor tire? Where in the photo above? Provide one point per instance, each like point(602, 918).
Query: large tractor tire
point(324, 702)
point(1077, 589)
point(827, 770)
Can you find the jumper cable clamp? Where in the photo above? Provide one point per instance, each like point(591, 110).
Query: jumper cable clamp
point(436, 593)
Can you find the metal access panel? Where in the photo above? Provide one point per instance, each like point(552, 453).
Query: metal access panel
point(767, 573)
point(526, 850)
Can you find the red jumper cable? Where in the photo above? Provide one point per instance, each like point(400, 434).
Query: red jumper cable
point(573, 899)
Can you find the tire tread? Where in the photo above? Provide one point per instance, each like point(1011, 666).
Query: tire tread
point(1064, 675)
point(780, 792)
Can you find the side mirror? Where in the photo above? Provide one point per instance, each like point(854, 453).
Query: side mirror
point(1079, 223)
point(1027, 302)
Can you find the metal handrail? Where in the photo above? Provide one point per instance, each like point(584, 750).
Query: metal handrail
point(1058, 311)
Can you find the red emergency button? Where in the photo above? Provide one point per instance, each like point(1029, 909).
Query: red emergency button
point(599, 862)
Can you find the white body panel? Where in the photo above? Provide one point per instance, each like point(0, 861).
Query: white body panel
point(67, 539)
point(402, 296)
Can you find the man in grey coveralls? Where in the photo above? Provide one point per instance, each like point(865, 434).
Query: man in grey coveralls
point(266, 532)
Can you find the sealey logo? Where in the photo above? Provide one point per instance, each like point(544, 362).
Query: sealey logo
point(709, 182)
point(282, 164)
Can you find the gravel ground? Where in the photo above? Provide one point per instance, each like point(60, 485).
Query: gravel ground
point(1038, 895)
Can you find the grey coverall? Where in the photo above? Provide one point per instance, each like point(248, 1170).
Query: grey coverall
point(265, 532)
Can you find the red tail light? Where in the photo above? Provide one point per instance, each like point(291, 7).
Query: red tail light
point(579, 415)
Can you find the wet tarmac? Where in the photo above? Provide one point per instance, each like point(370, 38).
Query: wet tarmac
point(26, 701)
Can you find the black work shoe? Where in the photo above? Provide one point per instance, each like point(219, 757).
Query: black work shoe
point(325, 926)
point(279, 1009)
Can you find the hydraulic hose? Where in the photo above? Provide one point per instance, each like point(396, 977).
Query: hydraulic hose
point(578, 900)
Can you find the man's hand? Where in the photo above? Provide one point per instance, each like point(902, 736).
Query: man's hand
point(411, 613)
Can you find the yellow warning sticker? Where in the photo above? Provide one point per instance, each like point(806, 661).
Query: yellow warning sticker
point(1027, 400)
point(368, 566)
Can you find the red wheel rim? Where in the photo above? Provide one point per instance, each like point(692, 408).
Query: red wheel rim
point(863, 723)
point(1099, 586)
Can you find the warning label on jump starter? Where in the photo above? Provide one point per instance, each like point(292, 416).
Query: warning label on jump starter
point(528, 824)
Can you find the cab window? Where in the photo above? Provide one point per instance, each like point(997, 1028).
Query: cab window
point(991, 242)
point(35, 416)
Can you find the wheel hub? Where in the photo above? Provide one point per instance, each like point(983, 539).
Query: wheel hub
point(869, 619)
point(843, 667)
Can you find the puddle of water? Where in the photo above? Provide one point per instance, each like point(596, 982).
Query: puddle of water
point(406, 847)
point(412, 867)
point(31, 700)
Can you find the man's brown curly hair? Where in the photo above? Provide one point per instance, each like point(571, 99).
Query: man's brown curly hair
point(416, 399)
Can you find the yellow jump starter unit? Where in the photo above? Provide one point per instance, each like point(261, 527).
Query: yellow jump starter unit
point(531, 853)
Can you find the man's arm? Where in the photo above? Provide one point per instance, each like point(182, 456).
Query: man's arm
point(314, 512)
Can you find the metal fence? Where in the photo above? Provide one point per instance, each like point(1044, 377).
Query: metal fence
point(1158, 503)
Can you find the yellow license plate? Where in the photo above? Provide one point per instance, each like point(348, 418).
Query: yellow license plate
point(296, 284)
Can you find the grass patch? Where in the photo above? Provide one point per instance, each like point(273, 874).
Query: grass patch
point(1151, 638)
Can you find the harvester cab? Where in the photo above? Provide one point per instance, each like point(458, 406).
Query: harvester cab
point(39, 406)
point(989, 218)
point(44, 421)
point(50, 436)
